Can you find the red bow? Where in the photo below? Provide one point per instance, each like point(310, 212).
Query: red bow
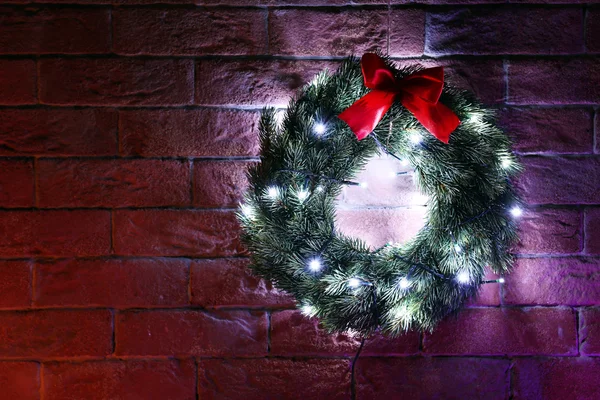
point(418, 92)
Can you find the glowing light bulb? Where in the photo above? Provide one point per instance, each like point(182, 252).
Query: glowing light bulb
point(402, 312)
point(415, 138)
point(248, 211)
point(506, 162)
point(457, 248)
point(308, 310)
point(404, 283)
point(354, 283)
point(392, 174)
point(272, 192)
point(501, 280)
point(463, 277)
point(475, 118)
point(302, 195)
point(363, 185)
point(319, 188)
point(279, 115)
point(320, 128)
point(404, 162)
point(315, 265)
point(516, 211)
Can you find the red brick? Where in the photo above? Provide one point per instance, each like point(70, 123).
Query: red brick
point(256, 82)
point(550, 231)
point(219, 183)
point(54, 233)
point(407, 32)
point(116, 81)
point(432, 378)
point(597, 132)
point(55, 333)
point(16, 183)
point(556, 378)
point(592, 231)
point(229, 282)
point(58, 132)
point(489, 293)
point(589, 331)
point(176, 233)
point(112, 282)
point(549, 130)
point(218, 333)
point(20, 380)
point(484, 78)
point(500, 331)
point(274, 379)
point(120, 379)
point(592, 30)
point(183, 31)
point(41, 30)
point(15, 285)
point(555, 180)
point(113, 183)
point(554, 81)
point(505, 30)
point(550, 281)
point(189, 133)
point(287, 2)
point(328, 32)
point(293, 334)
point(17, 82)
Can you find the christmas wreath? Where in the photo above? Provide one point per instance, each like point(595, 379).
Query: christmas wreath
point(461, 160)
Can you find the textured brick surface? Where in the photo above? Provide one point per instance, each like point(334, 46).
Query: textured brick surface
point(494, 331)
point(84, 132)
point(15, 286)
point(554, 81)
point(116, 81)
point(112, 183)
point(189, 133)
point(505, 30)
point(16, 183)
point(430, 378)
point(589, 331)
point(592, 231)
point(189, 31)
point(54, 233)
point(329, 32)
point(549, 130)
point(219, 183)
point(556, 180)
point(274, 378)
point(17, 82)
point(550, 281)
point(176, 233)
point(55, 333)
point(20, 380)
point(112, 282)
point(556, 378)
point(550, 231)
point(229, 282)
point(215, 333)
point(28, 30)
point(132, 379)
point(592, 39)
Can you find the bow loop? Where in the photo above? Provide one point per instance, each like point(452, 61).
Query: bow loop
point(418, 92)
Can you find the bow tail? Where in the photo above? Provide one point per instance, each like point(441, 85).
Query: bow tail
point(435, 117)
point(364, 115)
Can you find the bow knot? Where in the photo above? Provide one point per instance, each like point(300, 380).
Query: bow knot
point(418, 92)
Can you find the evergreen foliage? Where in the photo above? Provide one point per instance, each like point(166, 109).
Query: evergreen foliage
point(288, 215)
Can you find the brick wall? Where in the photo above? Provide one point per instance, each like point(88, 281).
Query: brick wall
point(125, 128)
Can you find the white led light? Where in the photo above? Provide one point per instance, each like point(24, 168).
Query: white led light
point(457, 248)
point(501, 280)
point(404, 162)
point(308, 310)
point(302, 195)
point(320, 128)
point(392, 174)
point(402, 312)
point(404, 283)
point(516, 211)
point(319, 188)
point(415, 138)
point(363, 185)
point(463, 277)
point(506, 162)
point(354, 283)
point(272, 192)
point(248, 211)
point(315, 265)
point(475, 118)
